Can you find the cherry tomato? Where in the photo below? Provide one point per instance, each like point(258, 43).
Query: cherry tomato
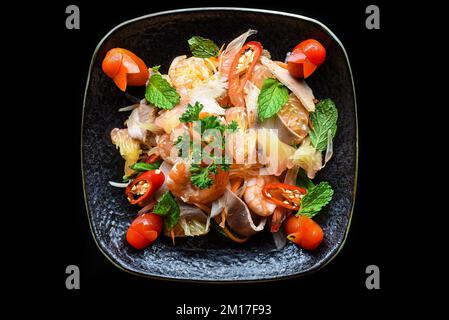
point(305, 58)
point(303, 231)
point(144, 186)
point(144, 230)
point(125, 68)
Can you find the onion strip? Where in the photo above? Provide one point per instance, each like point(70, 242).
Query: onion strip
point(128, 108)
point(119, 184)
point(147, 208)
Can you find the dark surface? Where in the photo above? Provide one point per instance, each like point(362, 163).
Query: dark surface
point(384, 229)
point(209, 258)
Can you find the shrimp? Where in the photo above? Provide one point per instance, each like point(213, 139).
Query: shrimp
point(166, 143)
point(254, 198)
point(165, 148)
point(178, 182)
point(186, 73)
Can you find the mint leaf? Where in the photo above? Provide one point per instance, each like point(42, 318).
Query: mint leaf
point(168, 208)
point(271, 98)
point(315, 199)
point(303, 181)
point(160, 93)
point(202, 47)
point(324, 120)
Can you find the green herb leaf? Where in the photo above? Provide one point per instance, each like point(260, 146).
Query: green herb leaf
point(324, 122)
point(130, 176)
point(156, 68)
point(211, 122)
point(202, 47)
point(160, 93)
point(271, 98)
point(303, 181)
point(168, 208)
point(233, 126)
point(192, 113)
point(143, 166)
point(200, 176)
point(315, 199)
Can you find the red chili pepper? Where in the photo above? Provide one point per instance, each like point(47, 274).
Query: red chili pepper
point(292, 195)
point(235, 90)
point(144, 186)
point(152, 158)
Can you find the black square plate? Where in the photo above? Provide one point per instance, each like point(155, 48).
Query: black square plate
point(158, 38)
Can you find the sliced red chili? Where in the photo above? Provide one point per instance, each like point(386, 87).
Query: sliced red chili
point(243, 62)
point(153, 158)
point(142, 188)
point(284, 195)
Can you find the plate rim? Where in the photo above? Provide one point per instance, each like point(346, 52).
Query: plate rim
point(314, 269)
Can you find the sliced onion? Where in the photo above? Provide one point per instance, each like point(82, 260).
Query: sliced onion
point(239, 217)
point(298, 86)
point(147, 208)
point(232, 49)
point(216, 209)
point(279, 238)
point(119, 184)
point(251, 95)
point(217, 206)
point(128, 108)
point(207, 93)
point(290, 176)
point(165, 167)
point(240, 191)
point(132, 98)
point(329, 148)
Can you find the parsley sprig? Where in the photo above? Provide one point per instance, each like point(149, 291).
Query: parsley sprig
point(202, 174)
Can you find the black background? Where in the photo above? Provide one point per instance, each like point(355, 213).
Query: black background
point(65, 231)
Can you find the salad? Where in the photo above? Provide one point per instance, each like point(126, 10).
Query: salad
point(227, 140)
